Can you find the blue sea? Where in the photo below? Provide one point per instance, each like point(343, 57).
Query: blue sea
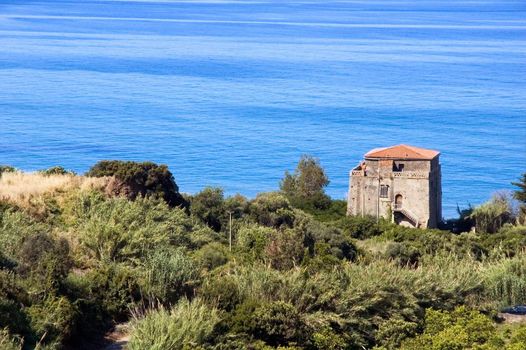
point(231, 93)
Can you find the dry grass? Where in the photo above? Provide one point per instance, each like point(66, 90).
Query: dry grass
point(26, 189)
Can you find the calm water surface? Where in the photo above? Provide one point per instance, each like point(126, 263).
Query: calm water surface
point(231, 93)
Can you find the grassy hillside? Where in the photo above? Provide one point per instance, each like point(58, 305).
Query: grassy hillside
point(80, 254)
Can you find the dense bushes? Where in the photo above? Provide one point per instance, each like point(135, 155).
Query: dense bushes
point(208, 207)
point(168, 275)
point(272, 210)
point(134, 179)
point(187, 325)
point(506, 281)
point(120, 230)
point(299, 273)
point(360, 227)
point(463, 329)
point(56, 170)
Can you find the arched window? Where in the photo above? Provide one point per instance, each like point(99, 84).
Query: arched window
point(398, 201)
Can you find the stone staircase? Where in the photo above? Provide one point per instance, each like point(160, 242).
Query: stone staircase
point(408, 214)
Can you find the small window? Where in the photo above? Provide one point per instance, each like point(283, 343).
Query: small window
point(384, 191)
point(398, 167)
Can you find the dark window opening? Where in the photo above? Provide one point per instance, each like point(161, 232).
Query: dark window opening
point(398, 167)
point(384, 191)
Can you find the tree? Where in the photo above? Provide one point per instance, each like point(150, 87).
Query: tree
point(520, 193)
point(492, 215)
point(133, 179)
point(305, 187)
point(208, 207)
point(271, 209)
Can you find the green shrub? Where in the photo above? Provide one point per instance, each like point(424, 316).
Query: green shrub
point(360, 227)
point(52, 321)
point(252, 240)
point(56, 170)
point(208, 206)
point(403, 253)
point(198, 237)
point(394, 331)
point(5, 262)
point(93, 304)
point(13, 318)
point(311, 232)
point(508, 242)
point(13, 294)
point(335, 211)
point(255, 281)
point(120, 230)
point(284, 249)
point(271, 209)
point(242, 320)
point(327, 339)
point(323, 258)
point(460, 329)
point(112, 287)
point(212, 255)
point(492, 215)
point(140, 179)
point(434, 242)
point(45, 260)
point(520, 193)
point(222, 291)
point(8, 342)
point(237, 205)
point(518, 338)
point(168, 275)
point(277, 323)
point(188, 324)
point(505, 281)
point(15, 226)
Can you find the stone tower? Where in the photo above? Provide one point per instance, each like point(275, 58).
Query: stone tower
point(401, 183)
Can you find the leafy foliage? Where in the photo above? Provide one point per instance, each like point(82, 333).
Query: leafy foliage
point(56, 170)
point(187, 325)
point(300, 275)
point(460, 329)
point(52, 321)
point(140, 179)
point(271, 209)
point(520, 193)
point(491, 216)
point(276, 323)
point(207, 206)
point(506, 281)
point(305, 187)
point(168, 275)
point(120, 230)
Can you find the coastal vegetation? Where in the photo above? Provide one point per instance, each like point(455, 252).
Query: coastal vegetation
point(285, 270)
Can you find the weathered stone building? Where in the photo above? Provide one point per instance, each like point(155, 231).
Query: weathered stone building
point(401, 183)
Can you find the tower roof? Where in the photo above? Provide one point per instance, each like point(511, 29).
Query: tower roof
point(402, 152)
